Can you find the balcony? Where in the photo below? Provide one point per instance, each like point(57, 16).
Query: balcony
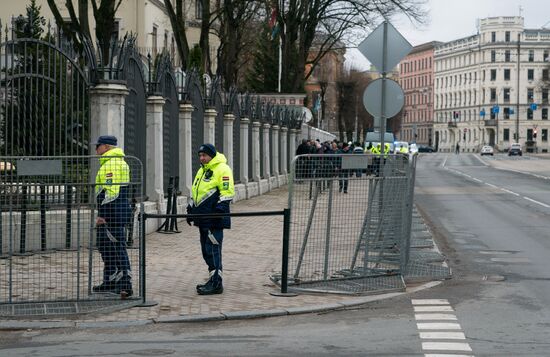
point(490, 122)
point(451, 124)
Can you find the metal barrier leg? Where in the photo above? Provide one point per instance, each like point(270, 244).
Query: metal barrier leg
point(68, 224)
point(306, 234)
point(142, 262)
point(42, 217)
point(327, 236)
point(366, 226)
point(284, 267)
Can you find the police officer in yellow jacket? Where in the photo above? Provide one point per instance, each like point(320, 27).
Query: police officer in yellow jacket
point(213, 190)
point(114, 212)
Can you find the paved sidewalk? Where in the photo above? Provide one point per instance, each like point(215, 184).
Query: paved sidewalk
point(536, 164)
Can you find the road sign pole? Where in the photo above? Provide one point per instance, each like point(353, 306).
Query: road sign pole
point(383, 101)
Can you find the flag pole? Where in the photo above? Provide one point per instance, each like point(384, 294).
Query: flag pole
point(281, 49)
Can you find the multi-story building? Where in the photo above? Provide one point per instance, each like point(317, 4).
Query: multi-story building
point(416, 77)
point(492, 88)
point(148, 19)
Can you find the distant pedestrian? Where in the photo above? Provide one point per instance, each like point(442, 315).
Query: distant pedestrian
point(344, 173)
point(213, 189)
point(457, 149)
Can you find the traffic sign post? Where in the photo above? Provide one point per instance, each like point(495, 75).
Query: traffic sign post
point(384, 48)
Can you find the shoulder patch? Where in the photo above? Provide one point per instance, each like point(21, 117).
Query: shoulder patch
point(109, 174)
point(225, 178)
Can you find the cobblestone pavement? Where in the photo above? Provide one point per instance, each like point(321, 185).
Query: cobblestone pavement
point(252, 252)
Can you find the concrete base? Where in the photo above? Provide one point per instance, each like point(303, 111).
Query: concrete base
point(283, 180)
point(253, 189)
point(240, 192)
point(264, 186)
point(273, 182)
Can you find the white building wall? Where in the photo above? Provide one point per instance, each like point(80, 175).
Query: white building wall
point(470, 69)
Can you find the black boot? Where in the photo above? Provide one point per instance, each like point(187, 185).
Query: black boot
point(210, 288)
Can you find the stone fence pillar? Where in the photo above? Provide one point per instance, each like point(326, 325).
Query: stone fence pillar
point(210, 126)
point(186, 151)
point(244, 150)
point(154, 145)
point(107, 102)
point(275, 153)
point(265, 157)
point(228, 120)
point(292, 145)
point(284, 150)
point(256, 174)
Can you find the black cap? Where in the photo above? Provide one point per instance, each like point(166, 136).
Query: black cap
point(106, 139)
point(208, 149)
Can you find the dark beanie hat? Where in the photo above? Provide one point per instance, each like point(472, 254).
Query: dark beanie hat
point(208, 149)
point(106, 139)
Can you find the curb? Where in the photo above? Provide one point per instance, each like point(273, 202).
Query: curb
point(221, 316)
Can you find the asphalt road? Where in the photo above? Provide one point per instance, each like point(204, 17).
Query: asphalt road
point(492, 224)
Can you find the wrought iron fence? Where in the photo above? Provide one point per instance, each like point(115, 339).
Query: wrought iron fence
point(55, 250)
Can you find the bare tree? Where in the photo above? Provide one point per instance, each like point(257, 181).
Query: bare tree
point(177, 20)
point(336, 19)
point(78, 28)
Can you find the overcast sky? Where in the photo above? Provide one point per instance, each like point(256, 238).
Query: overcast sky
point(453, 19)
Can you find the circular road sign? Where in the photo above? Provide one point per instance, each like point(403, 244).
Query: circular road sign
point(372, 98)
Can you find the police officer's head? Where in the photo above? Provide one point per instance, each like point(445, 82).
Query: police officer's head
point(105, 143)
point(206, 153)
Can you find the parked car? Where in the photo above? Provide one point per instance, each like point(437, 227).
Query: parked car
point(487, 150)
point(515, 149)
point(425, 148)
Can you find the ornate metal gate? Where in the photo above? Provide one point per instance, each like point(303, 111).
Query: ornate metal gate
point(197, 123)
point(44, 98)
point(135, 129)
point(219, 105)
point(170, 123)
point(235, 108)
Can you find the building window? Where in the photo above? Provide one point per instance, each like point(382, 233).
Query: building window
point(493, 74)
point(493, 36)
point(116, 30)
point(544, 134)
point(506, 92)
point(530, 74)
point(529, 114)
point(544, 112)
point(545, 56)
point(198, 9)
point(506, 74)
point(154, 44)
point(493, 94)
point(530, 95)
point(493, 56)
point(529, 134)
point(507, 36)
point(531, 55)
point(545, 95)
point(507, 56)
point(545, 75)
point(506, 113)
point(506, 134)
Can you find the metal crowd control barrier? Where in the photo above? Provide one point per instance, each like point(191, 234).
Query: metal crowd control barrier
point(170, 225)
point(286, 231)
point(351, 217)
point(51, 246)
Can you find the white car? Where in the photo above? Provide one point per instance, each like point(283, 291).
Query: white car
point(413, 149)
point(487, 150)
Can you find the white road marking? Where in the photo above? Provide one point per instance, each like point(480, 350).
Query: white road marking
point(430, 301)
point(445, 161)
point(443, 335)
point(537, 202)
point(476, 179)
point(491, 185)
point(446, 346)
point(511, 260)
point(433, 309)
point(449, 317)
point(510, 192)
point(445, 355)
point(438, 326)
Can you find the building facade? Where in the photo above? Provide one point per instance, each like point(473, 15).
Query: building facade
point(416, 77)
point(492, 88)
point(148, 19)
